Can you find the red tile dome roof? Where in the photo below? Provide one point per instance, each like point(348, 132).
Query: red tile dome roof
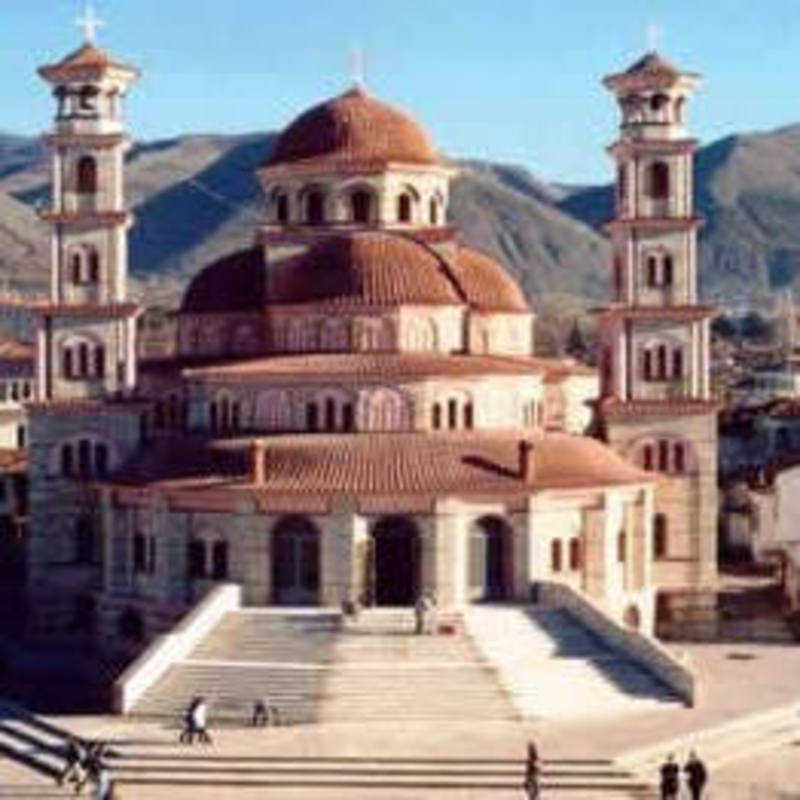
point(487, 286)
point(353, 130)
point(365, 268)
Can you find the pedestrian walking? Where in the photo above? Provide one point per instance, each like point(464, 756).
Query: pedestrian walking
point(74, 769)
point(189, 730)
point(420, 608)
point(199, 720)
point(670, 779)
point(696, 775)
point(430, 613)
point(264, 713)
point(531, 784)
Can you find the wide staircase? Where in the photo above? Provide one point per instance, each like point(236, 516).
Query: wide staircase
point(254, 653)
point(554, 667)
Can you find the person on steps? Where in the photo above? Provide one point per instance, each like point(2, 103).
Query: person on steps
point(199, 720)
point(264, 713)
point(670, 779)
point(696, 775)
point(531, 784)
point(189, 731)
point(420, 609)
point(75, 756)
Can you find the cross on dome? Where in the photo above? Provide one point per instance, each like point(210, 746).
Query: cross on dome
point(653, 34)
point(357, 59)
point(89, 22)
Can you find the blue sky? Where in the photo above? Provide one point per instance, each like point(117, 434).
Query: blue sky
point(505, 80)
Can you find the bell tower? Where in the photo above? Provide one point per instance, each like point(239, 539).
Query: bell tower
point(656, 406)
point(86, 334)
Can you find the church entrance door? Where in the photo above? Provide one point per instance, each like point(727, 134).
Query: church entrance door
point(295, 562)
point(396, 561)
point(489, 559)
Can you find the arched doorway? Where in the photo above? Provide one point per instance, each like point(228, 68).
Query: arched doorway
point(489, 559)
point(295, 562)
point(396, 561)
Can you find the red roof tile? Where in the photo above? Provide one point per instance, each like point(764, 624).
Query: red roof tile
point(351, 129)
point(87, 56)
point(487, 286)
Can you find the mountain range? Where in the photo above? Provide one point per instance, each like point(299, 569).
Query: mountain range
point(196, 198)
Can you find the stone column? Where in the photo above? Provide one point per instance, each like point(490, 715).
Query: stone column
point(337, 531)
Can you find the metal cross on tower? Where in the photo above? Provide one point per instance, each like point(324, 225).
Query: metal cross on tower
point(90, 22)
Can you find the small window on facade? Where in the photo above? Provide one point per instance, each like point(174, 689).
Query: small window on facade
point(648, 365)
point(101, 459)
point(663, 455)
point(667, 279)
point(75, 264)
point(574, 554)
point(236, 416)
point(282, 204)
point(87, 175)
point(660, 536)
point(680, 457)
point(68, 366)
point(99, 361)
point(433, 212)
point(361, 206)
point(658, 180)
point(94, 266)
point(452, 414)
point(219, 559)
point(622, 543)
point(26, 390)
point(213, 417)
point(647, 457)
point(622, 182)
point(662, 362)
point(83, 359)
point(315, 208)
point(468, 416)
point(67, 465)
point(15, 391)
point(196, 559)
point(21, 436)
point(555, 555)
point(652, 271)
point(330, 414)
point(677, 363)
point(347, 417)
point(311, 416)
point(85, 457)
point(436, 420)
point(404, 208)
point(139, 552)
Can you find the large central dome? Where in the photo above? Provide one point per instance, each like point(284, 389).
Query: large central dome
point(353, 129)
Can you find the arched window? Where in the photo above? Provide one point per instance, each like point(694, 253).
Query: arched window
point(677, 363)
point(68, 365)
point(404, 208)
point(219, 560)
point(652, 271)
point(196, 558)
point(436, 421)
point(433, 212)
point(94, 266)
point(622, 543)
point(22, 436)
point(84, 457)
point(101, 459)
point(87, 175)
point(67, 463)
point(648, 365)
point(662, 362)
point(347, 417)
point(99, 361)
point(83, 359)
point(555, 555)
point(139, 552)
point(213, 416)
point(330, 414)
point(452, 414)
point(225, 414)
point(658, 180)
point(311, 416)
point(679, 455)
point(468, 416)
point(282, 208)
point(647, 457)
point(666, 279)
point(658, 101)
point(236, 416)
point(84, 540)
point(660, 536)
point(663, 455)
point(315, 208)
point(75, 265)
point(361, 202)
point(574, 554)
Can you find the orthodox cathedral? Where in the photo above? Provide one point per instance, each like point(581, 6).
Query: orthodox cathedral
point(355, 411)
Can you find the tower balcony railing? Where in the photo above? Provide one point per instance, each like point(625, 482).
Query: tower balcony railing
point(664, 389)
